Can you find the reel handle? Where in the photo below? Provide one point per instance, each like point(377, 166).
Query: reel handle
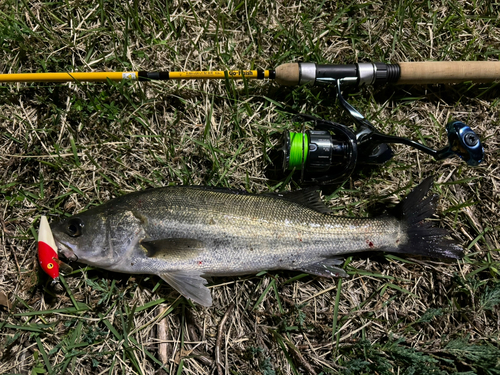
point(463, 142)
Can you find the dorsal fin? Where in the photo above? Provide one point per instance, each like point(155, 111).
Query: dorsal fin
point(308, 197)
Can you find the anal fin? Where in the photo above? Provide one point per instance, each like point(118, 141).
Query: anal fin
point(190, 284)
point(325, 268)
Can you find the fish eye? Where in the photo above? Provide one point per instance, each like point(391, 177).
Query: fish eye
point(74, 227)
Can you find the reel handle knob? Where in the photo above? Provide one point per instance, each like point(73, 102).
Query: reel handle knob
point(464, 143)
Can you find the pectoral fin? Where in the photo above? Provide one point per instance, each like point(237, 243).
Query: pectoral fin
point(191, 285)
point(325, 268)
point(168, 248)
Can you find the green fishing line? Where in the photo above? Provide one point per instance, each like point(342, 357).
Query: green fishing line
point(299, 148)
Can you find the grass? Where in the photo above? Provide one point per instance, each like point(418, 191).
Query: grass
point(67, 147)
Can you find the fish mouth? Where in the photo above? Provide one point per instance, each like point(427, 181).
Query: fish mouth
point(66, 250)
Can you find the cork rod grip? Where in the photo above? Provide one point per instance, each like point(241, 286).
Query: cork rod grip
point(428, 72)
point(288, 74)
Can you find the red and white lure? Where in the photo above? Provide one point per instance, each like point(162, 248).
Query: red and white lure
point(47, 250)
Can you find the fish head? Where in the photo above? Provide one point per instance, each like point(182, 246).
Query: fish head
point(88, 237)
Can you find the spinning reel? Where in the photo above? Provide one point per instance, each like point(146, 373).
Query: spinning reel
point(330, 153)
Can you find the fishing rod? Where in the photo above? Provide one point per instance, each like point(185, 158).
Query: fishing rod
point(331, 151)
point(291, 74)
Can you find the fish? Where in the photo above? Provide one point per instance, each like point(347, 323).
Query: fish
point(186, 234)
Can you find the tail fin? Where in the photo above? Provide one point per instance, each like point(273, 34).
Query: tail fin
point(423, 238)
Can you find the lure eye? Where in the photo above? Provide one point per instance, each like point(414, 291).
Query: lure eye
point(50, 266)
point(74, 227)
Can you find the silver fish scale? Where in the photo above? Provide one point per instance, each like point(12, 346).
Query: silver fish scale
point(244, 233)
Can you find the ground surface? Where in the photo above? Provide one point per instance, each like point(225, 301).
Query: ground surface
point(66, 147)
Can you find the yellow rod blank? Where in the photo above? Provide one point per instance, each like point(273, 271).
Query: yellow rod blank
point(219, 74)
point(118, 76)
point(68, 77)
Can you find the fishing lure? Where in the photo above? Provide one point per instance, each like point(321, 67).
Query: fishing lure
point(47, 250)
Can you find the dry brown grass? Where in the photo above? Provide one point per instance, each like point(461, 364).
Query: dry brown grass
point(67, 147)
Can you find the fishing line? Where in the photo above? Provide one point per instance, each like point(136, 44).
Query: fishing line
point(299, 147)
